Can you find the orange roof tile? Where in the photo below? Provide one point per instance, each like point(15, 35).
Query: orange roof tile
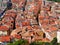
point(46, 21)
point(41, 17)
point(53, 28)
point(5, 38)
point(25, 23)
point(3, 28)
point(17, 36)
point(29, 27)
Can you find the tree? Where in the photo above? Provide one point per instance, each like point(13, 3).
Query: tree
point(40, 43)
point(19, 42)
point(54, 41)
point(47, 43)
point(54, 0)
point(33, 43)
point(10, 43)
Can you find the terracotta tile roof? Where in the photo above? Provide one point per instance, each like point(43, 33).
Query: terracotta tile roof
point(53, 28)
point(17, 36)
point(29, 27)
point(41, 17)
point(25, 23)
point(5, 38)
point(3, 28)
